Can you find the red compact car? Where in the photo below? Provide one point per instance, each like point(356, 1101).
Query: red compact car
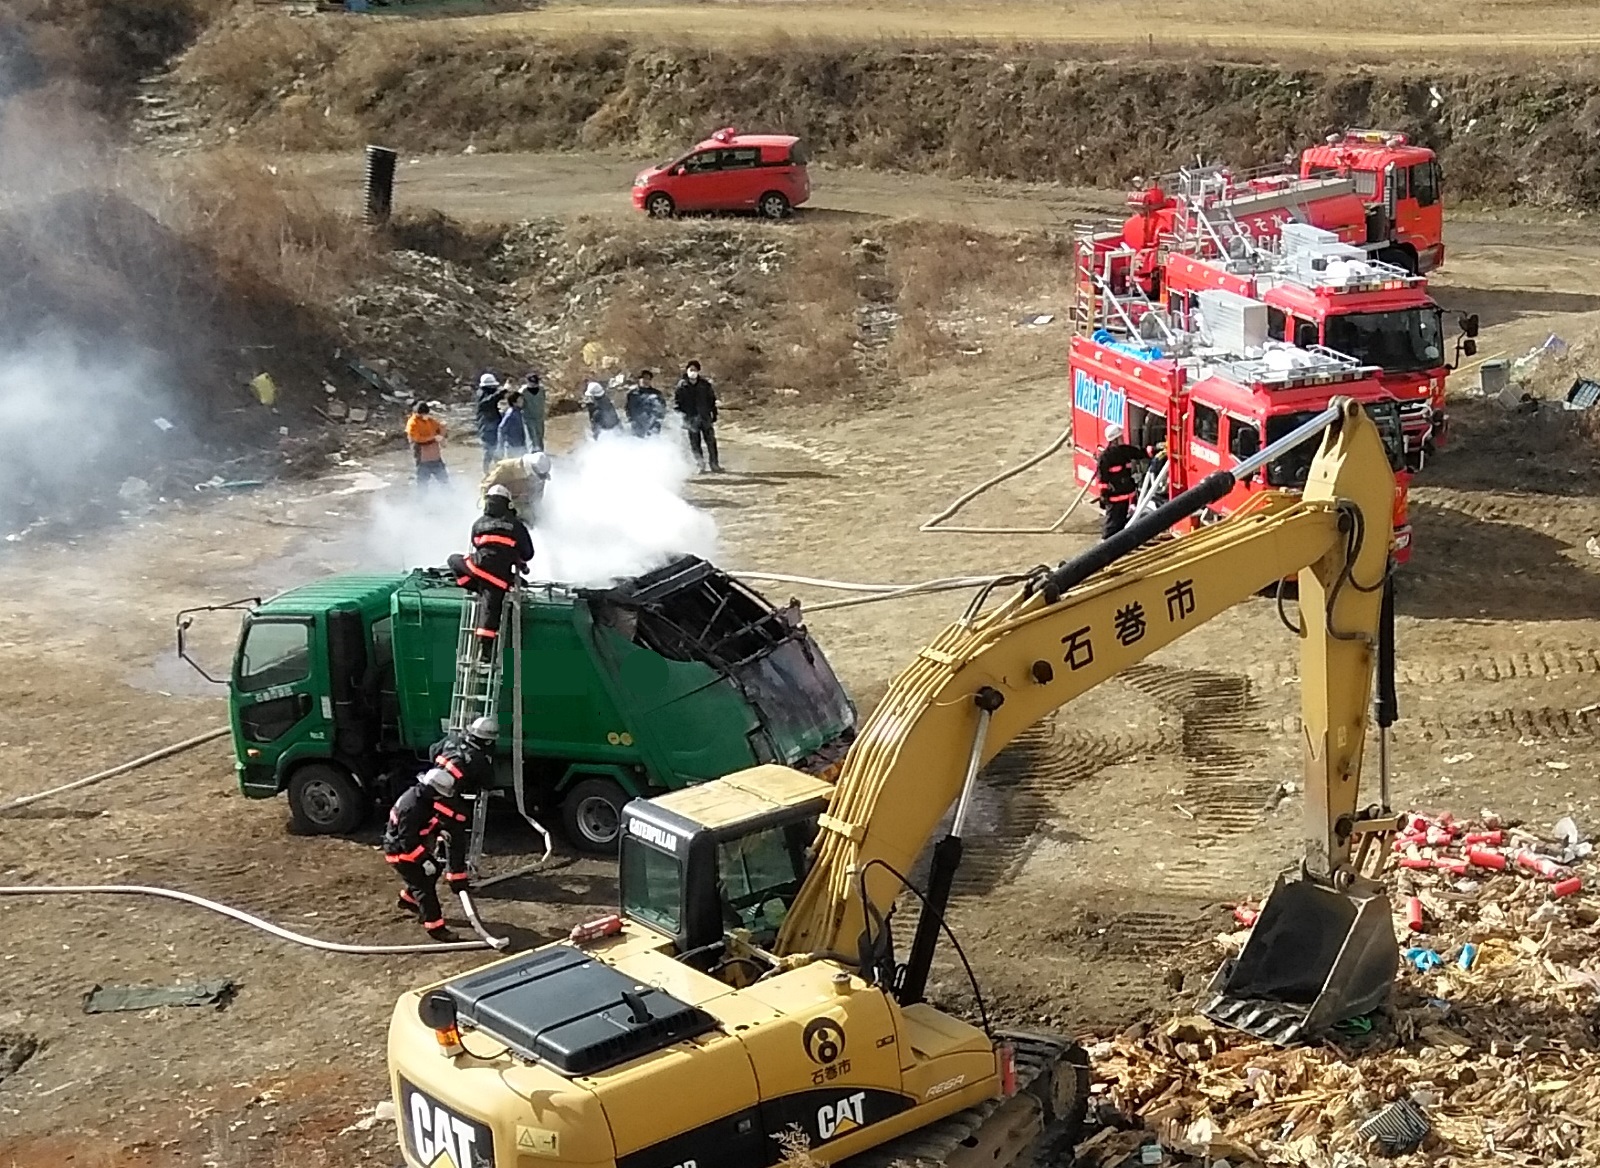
point(729, 171)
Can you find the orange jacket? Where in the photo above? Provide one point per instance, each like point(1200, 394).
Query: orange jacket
point(423, 432)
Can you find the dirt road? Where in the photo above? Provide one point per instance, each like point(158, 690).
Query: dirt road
point(1262, 25)
point(1488, 255)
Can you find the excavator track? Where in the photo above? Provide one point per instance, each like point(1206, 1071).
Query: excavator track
point(1035, 1128)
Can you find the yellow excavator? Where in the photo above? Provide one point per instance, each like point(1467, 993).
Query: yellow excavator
point(746, 1006)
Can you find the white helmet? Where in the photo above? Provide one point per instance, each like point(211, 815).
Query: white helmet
point(1113, 432)
point(594, 391)
point(537, 463)
point(488, 381)
point(498, 491)
point(440, 780)
point(485, 729)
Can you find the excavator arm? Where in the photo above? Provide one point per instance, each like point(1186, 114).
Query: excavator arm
point(991, 675)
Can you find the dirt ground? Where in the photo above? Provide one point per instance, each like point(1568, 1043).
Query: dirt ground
point(1430, 27)
point(1116, 832)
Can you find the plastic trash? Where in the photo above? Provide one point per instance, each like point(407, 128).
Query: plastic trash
point(1468, 954)
point(1423, 960)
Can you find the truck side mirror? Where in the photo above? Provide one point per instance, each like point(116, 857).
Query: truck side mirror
point(1469, 347)
point(1469, 324)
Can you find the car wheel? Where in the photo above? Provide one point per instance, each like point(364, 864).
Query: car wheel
point(591, 815)
point(659, 206)
point(325, 799)
point(774, 205)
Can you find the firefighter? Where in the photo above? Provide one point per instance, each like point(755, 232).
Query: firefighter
point(1119, 485)
point(525, 478)
point(501, 549)
point(436, 806)
point(646, 406)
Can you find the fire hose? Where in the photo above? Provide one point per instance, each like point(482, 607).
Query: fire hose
point(256, 922)
point(120, 769)
point(934, 525)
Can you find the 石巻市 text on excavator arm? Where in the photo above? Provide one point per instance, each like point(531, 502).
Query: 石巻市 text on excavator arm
point(748, 998)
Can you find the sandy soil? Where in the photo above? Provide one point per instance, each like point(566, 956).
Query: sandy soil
point(1118, 830)
point(1430, 27)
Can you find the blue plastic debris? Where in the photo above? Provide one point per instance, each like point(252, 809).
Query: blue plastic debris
point(1424, 959)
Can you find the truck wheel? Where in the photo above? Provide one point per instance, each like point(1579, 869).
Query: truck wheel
point(591, 815)
point(325, 799)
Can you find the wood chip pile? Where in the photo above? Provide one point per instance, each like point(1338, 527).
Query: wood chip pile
point(1500, 1052)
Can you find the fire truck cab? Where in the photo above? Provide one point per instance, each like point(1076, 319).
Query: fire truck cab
point(1320, 292)
point(1211, 392)
point(1401, 186)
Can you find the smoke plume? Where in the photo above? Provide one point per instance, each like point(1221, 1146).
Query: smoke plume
point(613, 508)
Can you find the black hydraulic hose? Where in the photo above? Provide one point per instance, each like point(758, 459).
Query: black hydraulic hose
point(1388, 701)
point(1070, 573)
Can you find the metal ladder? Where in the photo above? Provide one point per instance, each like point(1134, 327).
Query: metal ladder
point(477, 685)
point(1096, 304)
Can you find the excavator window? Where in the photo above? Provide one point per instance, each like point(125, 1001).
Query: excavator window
point(759, 874)
point(652, 886)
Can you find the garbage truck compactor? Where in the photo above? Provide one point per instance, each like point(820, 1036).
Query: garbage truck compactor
point(748, 998)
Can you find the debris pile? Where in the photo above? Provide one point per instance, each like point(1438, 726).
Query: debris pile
point(1487, 1054)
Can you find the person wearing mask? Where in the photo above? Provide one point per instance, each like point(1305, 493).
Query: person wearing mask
point(488, 417)
point(1119, 485)
point(525, 478)
point(646, 406)
point(436, 807)
point(501, 550)
point(533, 403)
point(696, 399)
point(424, 432)
point(513, 428)
point(602, 414)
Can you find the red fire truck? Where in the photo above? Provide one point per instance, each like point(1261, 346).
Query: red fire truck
point(1321, 292)
point(1400, 185)
point(1195, 394)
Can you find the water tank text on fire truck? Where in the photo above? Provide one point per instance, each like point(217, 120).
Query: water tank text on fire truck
point(1100, 398)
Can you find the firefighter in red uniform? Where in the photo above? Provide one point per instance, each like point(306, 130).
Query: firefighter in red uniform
point(501, 549)
point(1119, 485)
point(435, 806)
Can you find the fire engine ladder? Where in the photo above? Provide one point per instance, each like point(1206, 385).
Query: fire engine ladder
point(1096, 302)
point(1207, 227)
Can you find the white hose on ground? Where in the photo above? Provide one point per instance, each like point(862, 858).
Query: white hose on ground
point(934, 524)
point(120, 769)
point(471, 910)
point(236, 914)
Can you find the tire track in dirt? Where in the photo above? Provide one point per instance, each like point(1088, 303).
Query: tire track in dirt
point(1525, 723)
point(1535, 665)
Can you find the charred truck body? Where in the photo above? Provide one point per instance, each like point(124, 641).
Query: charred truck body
point(339, 687)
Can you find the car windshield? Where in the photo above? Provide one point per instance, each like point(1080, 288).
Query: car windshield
point(1292, 468)
point(1406, 340)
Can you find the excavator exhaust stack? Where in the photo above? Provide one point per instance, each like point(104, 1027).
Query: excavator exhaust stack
point(1316, 957)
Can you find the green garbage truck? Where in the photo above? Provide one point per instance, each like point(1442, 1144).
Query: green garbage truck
point(338, 687)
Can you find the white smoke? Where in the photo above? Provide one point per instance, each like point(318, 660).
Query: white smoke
point(613, 508)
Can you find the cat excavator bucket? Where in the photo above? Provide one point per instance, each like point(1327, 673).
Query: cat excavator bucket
point(1316, 957)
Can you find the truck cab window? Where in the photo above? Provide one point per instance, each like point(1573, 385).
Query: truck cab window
point(1276, 321)
point(1243, 438)
point(1207, 424)
point(652, 886)
point(1424, 183)
point(274, 653)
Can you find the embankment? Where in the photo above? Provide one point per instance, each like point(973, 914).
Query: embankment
point(1510, 131)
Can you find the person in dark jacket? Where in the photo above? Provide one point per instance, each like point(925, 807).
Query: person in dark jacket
point(501, 550)
point(488, 417)
point(1119, 483)
point(436, 807)
point(646, 406)
point(514, 437)
point(696, 399)
point(602, 414)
